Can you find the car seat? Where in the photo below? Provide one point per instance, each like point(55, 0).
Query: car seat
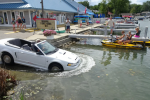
point(33, 48)
point(26, 47)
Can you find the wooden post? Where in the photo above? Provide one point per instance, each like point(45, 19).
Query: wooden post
point(146, 30)
point(105, 30)
point(42, 8)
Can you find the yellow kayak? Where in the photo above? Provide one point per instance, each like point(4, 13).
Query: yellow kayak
point(116, 45)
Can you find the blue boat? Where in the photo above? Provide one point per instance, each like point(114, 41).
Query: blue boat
point(118, 18)
point(141, 18)
point(83, 18)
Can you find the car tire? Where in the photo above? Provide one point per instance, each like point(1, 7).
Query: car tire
point(7, 59)
point(55, 67)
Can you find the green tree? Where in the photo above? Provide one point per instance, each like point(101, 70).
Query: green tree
point(103, 7)
point(119, 6)
point(95, 7)
point(133, 10)
point(85, 3)
point(91, 8)
point(146, 6)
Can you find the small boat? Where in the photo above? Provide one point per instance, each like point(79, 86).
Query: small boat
point(141, 18)
point(114, 44)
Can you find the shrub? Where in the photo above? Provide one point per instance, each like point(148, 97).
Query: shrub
point(49, 32)
point(5, 79)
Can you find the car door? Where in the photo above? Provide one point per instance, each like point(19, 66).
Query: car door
point(31, 58)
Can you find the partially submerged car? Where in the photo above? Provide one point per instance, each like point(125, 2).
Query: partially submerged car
point(39, 55)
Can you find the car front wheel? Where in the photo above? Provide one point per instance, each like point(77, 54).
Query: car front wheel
point(7, 59)
point(55, 67)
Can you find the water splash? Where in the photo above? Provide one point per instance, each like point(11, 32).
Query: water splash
point(86, 65)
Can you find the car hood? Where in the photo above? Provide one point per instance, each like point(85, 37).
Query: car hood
point(65, 56)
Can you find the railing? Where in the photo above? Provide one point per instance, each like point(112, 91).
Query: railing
point(102, 20)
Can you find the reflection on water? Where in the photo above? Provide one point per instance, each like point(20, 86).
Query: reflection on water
point(122, 54)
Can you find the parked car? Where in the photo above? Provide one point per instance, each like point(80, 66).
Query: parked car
point(39, 55)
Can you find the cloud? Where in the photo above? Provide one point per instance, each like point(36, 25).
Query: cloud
point(95, 2)
point(92, 2)
point(138, 1)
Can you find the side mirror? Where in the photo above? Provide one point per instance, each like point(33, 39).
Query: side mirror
point(39, 53)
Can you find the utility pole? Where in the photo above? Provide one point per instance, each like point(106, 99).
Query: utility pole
point(42, 8)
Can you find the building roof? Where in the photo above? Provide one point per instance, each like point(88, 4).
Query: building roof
point(14, 6)
point(54, 5)
point(145, 12)
point(126, 14)
point(75, 5)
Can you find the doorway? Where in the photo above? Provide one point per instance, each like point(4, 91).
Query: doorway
point(5, 18)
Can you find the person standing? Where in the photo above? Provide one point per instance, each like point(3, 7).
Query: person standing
point(87, 22)
point(68, 25)
point(24, 23)
point(111, 24)
point(20, 22)
point(13, 23)
point(17, 22)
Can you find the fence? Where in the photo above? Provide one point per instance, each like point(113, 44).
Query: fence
point(101, 20)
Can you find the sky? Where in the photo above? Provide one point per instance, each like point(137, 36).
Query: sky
point(95, 2)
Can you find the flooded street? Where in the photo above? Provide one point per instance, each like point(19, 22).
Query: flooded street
point(104, 74)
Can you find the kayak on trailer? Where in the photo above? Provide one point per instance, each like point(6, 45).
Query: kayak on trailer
point(114, 44)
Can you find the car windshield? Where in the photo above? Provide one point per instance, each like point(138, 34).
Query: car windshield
point(47, 47)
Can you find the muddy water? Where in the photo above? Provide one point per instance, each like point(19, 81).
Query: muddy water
point(104, 74)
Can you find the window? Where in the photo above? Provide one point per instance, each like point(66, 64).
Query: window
point(13, 15)
point(5, 18)
point(21, 14)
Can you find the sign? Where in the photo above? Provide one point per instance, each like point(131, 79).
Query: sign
point(34, 18)
point(51, 13)
point(46, 23)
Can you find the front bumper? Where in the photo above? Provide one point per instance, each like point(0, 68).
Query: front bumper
point(67, 68)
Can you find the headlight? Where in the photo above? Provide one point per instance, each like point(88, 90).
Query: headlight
point(71, 64)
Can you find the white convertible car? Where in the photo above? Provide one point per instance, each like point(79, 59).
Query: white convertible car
point(39, 55)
